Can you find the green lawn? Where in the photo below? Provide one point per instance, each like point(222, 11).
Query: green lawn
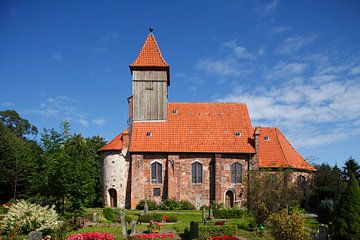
point(184, 217)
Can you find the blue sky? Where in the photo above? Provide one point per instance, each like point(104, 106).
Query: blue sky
point(295, 63)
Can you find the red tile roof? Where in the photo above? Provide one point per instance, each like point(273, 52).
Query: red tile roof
point(150, 55)
point(118, 143)
point(277, 152)
point(196, 127)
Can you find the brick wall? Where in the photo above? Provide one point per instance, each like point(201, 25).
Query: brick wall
point(177, 182)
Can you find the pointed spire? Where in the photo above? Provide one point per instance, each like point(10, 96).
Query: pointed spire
point(150, 54)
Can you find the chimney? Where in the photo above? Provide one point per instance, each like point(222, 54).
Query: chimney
point(255, 159)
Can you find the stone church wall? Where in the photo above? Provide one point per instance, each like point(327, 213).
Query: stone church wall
point(115, 174)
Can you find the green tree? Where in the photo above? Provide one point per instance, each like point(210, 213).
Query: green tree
point(347, 223)
point(17, 157)
point(351, 168)
point(327, 187)
point(270, 193)
point(18, 125)
point(69, 170)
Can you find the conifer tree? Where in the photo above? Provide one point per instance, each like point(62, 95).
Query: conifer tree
point(347, 224)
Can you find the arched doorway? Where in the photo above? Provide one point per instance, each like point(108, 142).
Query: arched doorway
point(229, 199)
point(113, 197)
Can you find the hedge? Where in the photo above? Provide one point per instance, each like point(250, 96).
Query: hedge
point(229, 213)
point(206, 231)
point(146, 218)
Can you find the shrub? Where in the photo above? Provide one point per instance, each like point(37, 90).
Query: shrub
point(154, 236)
point(146, 218)
point(170, 204)
point(207, 231)
point(91, 236)
point(109, 214)
point(215, 206)
point(172, 219)
point(151, 204)
point(228, 213)
point(186, 205)
point(24, 217)
point(129, 218)
point(285, 226)
point(224, 238)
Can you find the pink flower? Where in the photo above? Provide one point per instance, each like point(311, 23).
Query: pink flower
point(91, 236)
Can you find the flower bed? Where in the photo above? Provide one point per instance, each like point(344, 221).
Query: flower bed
point(224, 238)
point(154, 236)
point(91, 236)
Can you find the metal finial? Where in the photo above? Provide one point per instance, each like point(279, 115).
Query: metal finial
point(151, 29)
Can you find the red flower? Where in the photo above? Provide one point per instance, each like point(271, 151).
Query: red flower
point(91, 236)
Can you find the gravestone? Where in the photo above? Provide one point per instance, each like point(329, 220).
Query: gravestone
point(95, 217)
point(34, 235)
point(203, 216)
point(133, 227)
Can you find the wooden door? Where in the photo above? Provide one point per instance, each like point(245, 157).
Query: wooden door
point(113, 197)
point(229, 199)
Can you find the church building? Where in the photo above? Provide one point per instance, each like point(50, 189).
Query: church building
point(200, 152)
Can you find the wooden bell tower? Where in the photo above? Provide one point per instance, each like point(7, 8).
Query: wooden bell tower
point(150, 79)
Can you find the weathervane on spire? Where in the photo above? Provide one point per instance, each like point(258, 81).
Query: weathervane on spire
point(151, 29)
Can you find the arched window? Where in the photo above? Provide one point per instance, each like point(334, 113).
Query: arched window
point(196, 172)
point(156, 172)
point(302, 181)
point(236, 173)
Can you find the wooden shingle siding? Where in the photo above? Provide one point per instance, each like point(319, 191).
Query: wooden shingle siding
point(150, 95)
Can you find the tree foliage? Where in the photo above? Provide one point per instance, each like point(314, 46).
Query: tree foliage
point(351, 168)
point(347, 223)
point(327, 188)
point(270, 193)
point(18, 125)
point(287, 226)
point(68, 170)
point(17, 156)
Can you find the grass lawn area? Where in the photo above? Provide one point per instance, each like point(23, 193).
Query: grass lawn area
point(184, 217)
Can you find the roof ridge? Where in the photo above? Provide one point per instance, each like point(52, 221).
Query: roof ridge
point(238, 103)
point(294, 149)
point(281, 147)
point(150, 54)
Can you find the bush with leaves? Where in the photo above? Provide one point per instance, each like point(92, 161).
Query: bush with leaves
point(186, 205)
point(287, 226)
point(269, 193)
point(151, 204)
point(170, 204)
point(147, 218)
point(24, 217)
point(109, 214)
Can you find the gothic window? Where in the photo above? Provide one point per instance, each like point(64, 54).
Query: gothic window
point(236, 173)
point(196, 172)
point(156, 172)
point(302, 181)
point(156, 191)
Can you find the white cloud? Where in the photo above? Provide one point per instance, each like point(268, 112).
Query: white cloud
point(355, 70)
point(7, 104)
point(268, 8)
point(103, 44)
point(222, 67)
point(279, 30)
point(285, 70)
point(83, 122)
point(63, 107)
point(310, 113)
point(238, 51)
point(99, 121)
point(293, 44)
point(57, 56)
